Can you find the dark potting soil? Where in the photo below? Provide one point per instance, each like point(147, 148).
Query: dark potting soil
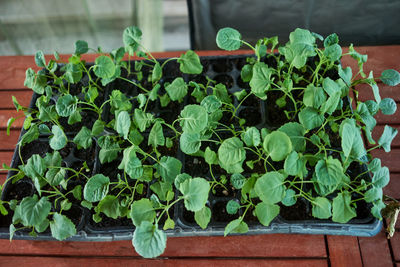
point(250, 218)
point(242, 84)
point(188, 216)
point(227, 119)
point(77, 166)
point(258, 166)
point(225, 79)
point(6, 220)
point(21, 189)
point(195, 166)
point(252, 101)
point(299, 211)
point(252, 116)
point(144, 193)
point(227, 191)
point(172, 69)
point(239, 63)
point(199, 78)
point(170, 112)
point(355, 169)
point(39, 146)
point(88, 119)
point(363, 209)
point(275, 114)
point(219, 213)
point(164, 217)
point(76, 215)
point(75, 90)
point(67, 150)
point(334, 138)
point(218, 171)
point(110, 169)
point(72, 183)
point(169, 151)
point(108, 222)
point(87, 155)
point(124, 86)
point(222, 65)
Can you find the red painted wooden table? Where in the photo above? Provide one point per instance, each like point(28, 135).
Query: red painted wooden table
point(260, 250)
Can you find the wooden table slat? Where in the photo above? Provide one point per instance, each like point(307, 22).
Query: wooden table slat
point(3, 177)
point(5, 157)
point(12, 75)
point(8, 142)
point(23, 97)
point(71, 261)
point(395, 242)
point(389, 119)
point(5, 115)
point(365, 92)
point(378, 131)
point(379, 59)
point(344, 251)
point(271, 245)
point(391, 159)
point(392, 189)
point(375, 250)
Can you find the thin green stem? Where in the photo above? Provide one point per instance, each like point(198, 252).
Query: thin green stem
point(136, 84)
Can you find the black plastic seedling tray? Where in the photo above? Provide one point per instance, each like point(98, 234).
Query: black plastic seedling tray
point(224, 69)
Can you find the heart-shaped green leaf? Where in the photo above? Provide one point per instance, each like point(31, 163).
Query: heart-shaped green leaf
point(131, 38)
point(388, 106)
point(66, 105)
point(296, 132)
point(231, 155)
point(266, 212)
point(33, 211)
point(321, 208)
point(203, 217)
point(142, 210)
point(81, 47)
point(123, 123)
point(277, 145)
point(310, 118)
point(342, 211)
point(169, 168)
point(260, 82)
point(156, 136)
point(390, 77)
point(195, 193)
point(270, 187)
point(190, 63)
point(58, 140)
point(211, 103)
point(190, 143)
point(83, 138)
point(329, 171)
point(177, 89)
point(389, 133)
point(194, 119)
point(148, 240)
point(62, 227)
point(96, 188)
point(104, 67)
point(229, 39)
